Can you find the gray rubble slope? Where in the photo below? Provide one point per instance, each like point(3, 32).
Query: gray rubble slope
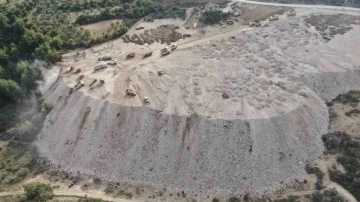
point(256, 149)
point(192, 153)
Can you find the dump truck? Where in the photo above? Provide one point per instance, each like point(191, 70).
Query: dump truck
point(274, 17)
point(130, 92)
point(251, 24)
point(174, 46)
point(100, 66)
point(78, 70)
point(291, 13)
point(146, 99)
point(68, 70)
point(79, 85)
point(165, 51)
point(130, 55)
point(81, 77)
point(112, 62)
point(147, 54)
point(92, 83)
point(104, 58)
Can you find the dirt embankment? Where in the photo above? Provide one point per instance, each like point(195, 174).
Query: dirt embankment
point(188, 137)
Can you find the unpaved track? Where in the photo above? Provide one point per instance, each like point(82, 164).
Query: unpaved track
point(74, 193)
point(299, 5)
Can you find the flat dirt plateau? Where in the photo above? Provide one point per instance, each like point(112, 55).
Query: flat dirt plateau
point(242, 111)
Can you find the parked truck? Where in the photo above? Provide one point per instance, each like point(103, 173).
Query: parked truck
point(104, 58)
point(274, 17)
point(130, 55)
point(165, 51)
point(100, 66)
point(112, 62)
point(291, 13)
point(147, 54)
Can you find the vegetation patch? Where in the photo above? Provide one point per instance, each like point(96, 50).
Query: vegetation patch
point(350, 160)
point(15, 164)
point(213, 17)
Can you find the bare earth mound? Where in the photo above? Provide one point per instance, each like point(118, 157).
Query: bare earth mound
point(189, 137)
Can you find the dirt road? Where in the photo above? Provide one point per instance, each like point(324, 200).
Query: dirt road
point(300, 5)
point(74, 193)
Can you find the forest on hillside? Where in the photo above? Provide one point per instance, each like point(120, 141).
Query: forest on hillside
point(35, 33)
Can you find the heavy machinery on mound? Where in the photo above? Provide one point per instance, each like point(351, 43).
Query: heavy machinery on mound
point(147, 54)
point(130, 92)
point(104, 58)
point(291, 13)
point(274, 17)
point(165, 51)
point(130, 55)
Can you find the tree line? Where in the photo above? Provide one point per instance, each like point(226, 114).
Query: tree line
point(138, 10)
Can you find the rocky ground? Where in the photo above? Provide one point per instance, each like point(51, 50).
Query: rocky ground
point(237, 114)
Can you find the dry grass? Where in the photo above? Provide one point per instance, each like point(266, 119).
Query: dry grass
point(100, 28)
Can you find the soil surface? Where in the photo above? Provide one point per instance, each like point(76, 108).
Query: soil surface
point(189, 137)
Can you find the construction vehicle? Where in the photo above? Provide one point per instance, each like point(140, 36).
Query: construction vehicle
point(160, 73)
point(165, 51)
point(230, 22)
point(92, 83)
point(291, 13)
point(77, 71)
point(146, 99)
point(104, 58)
point(274, 17)
point(147, 54)
point(102, 81)
point(71, 90)
point(79, 85)
point(130, 92)
point(251, 24)
point(174, 46)
point(112, 62)
point(258, 24)
point(100, 66)
point(130, 55)
point(80, 77)
point(68, 70)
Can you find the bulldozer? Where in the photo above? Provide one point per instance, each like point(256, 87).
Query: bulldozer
point(130, 92)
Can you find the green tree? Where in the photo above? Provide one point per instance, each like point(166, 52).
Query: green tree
point(38, 192)
point(9, 89)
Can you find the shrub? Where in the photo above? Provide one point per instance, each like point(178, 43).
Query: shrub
point(215, 200)
point(234, 199)
point(213, 17)
point(38, 192)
